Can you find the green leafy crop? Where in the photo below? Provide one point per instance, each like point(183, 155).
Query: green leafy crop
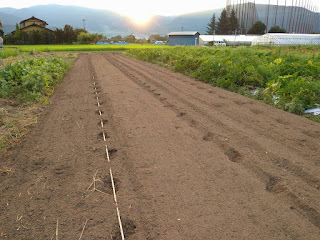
point(32, 80)
point(287, 77)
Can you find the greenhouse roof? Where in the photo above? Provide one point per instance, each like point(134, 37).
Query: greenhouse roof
point(235, 38)
point(282, 39)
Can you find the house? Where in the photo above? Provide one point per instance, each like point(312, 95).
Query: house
point(33, 24)
point(183, 38)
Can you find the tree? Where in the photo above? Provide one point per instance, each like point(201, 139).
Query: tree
point(157, 37)
point(1, 31)
point(87, 38)
point(223, 23)
point(17, 33)
point(243, 29)
point(116, 39)
point(277, 29)
point(130, 39)
point(233, 22)
point(70, 35)
point(211, 28)
point(257, 28)
point(59, 35)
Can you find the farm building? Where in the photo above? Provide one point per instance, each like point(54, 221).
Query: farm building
point(283, 39)
point(230, 40)
point(33, 24)
point(183, 38)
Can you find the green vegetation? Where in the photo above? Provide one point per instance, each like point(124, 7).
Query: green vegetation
point(226, 24)
point(66, 35)
point(32, 80)
point(10, 52)
point(87, 38)
point(287, 78)
point(27, 82)
point(79, 48)
point(276, 29)
point(211, 26)
point(257, 28)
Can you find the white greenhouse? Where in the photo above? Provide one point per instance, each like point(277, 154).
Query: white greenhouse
point(231, 40)
point(283, 39)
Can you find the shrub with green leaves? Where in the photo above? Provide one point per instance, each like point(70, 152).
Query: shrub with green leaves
point(32, 80)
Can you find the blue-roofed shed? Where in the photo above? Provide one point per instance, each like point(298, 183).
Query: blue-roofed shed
point(183, 38)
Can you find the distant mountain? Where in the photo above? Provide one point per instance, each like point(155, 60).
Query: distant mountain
point(106, 22)
point(111, 23)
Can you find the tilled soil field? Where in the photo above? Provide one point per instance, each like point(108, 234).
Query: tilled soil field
point(189, 161)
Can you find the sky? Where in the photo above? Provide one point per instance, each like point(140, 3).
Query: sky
point(139, 10)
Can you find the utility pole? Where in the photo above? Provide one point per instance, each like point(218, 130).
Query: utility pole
point(84, 24)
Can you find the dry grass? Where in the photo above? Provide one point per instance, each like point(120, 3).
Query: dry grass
point(15, 122)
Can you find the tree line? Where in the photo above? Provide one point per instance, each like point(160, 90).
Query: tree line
point(227, 25)
point(70, 35)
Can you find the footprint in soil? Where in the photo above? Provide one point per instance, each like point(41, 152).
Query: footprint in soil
point(194, 124)
point(181, 114)
point(98, 113)
point(255, 111)
point(238, 102)
point(100, 135)
point(61, 169)
point(128, 226)
point(112, 152)
point(233, 154)
point(282, 121)
point(106, 186)
point(103, 121)
point(275, 185)
point(208, 137)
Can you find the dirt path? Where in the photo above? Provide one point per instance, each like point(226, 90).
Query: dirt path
point(190, 161)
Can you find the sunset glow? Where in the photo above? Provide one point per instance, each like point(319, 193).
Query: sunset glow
point(139, 17)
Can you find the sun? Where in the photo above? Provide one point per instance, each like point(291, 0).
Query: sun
point(140, 17)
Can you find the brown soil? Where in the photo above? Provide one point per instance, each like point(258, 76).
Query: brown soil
point(190, 161)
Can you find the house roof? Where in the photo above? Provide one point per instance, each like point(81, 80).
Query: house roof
point(36, 25)
point(34, 18)
point(183, 33)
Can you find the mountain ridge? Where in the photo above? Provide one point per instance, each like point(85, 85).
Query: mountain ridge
point(108, 22)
